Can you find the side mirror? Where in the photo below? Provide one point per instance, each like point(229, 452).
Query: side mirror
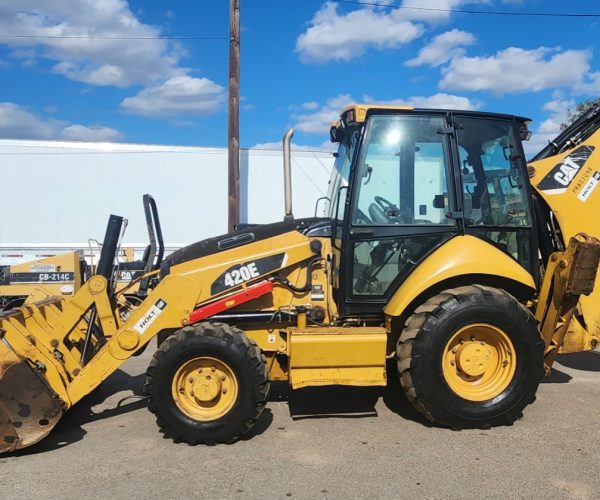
point(524, 132)
point(336, 133)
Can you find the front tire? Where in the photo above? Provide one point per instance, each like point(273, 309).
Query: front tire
point(207, 384)
point(471, 357)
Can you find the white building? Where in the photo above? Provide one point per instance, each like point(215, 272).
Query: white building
point(58, 195)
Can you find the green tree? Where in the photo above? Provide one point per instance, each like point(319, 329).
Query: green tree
point(581, 108)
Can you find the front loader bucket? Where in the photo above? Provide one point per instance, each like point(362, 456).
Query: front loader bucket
point(28, 408)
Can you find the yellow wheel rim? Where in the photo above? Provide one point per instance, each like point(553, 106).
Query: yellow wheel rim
point(479, 362)
point(205, 388)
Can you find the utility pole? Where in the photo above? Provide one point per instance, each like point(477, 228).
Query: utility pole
point(234, 115)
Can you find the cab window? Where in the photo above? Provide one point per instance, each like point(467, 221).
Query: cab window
point(495, 197)
point(402, 172)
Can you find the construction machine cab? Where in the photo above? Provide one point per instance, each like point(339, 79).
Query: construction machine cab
point(406, 181)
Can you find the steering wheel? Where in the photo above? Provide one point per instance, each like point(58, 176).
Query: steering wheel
point(384, 211)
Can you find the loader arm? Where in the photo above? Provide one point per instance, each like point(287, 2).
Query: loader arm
point(45, 340)
point(569, 275)
point(565, 175)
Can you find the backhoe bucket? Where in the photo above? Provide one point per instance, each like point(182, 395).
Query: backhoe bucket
point(28, 408)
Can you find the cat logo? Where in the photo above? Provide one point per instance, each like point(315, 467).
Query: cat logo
point(560, 177)
point(567, 171)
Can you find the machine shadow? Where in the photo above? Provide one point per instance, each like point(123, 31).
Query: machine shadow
point(556, 377)
point(585, 361)
point(70, 427)
point(345, 401)
point(262, 424)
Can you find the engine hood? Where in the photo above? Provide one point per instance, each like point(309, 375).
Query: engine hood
point(231, 240)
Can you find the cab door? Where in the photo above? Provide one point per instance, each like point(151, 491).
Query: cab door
point(400, 207)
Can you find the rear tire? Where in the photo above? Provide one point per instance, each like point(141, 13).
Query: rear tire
point(207, 384)
point(471, 357)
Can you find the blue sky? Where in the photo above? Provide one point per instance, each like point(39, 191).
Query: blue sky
point(302, 61)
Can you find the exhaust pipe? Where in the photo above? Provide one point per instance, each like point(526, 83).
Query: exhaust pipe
point(287, 174)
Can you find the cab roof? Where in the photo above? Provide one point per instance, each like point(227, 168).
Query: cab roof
point(357, 113)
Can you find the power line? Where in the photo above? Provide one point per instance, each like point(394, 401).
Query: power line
point(469, 11)
point(100, 37)
point(352, 2)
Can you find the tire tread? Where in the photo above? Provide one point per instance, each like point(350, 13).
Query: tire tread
point(424, 321)
point(234, 339)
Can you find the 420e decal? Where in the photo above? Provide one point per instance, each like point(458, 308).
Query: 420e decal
point(240, 273)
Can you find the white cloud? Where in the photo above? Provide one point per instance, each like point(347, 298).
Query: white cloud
point(95, 133)
point(91, 60)
point(442, 48)
point(335, 36)
point(103, 43)
point(310, 105)
point(181, 95)
point(435, 101)
point(17, 122)
point(558, 109)
point(432, 11)
point(517, 70)
point(590, 85)
point(341, 37)
point(318, 121)
point(305, 106)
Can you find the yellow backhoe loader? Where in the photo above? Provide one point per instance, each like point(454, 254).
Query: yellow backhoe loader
point(442, 249)
point(37, 279)
point(64, 274)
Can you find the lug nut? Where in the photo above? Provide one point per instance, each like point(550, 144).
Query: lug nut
point(224, 391)
point(454, 350)
point(223, 378)
point(213, 369)
point(482, 342)
point(452, 362)
point(191, 380)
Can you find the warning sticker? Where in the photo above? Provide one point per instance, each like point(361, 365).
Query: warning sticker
point(43, 268)
point(588, 189)
point(150, 317)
